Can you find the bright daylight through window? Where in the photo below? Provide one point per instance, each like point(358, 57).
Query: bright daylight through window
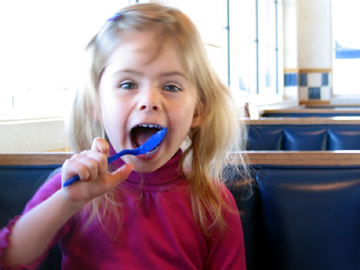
point(346, 42)
point(41, 50)
point(43, 44)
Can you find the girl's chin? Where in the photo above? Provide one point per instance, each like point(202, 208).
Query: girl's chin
point(146, 169)
point(144, 165)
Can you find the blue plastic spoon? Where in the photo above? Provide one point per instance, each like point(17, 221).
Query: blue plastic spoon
point(147, 146)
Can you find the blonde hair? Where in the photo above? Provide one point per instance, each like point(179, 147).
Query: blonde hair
point(206, 151)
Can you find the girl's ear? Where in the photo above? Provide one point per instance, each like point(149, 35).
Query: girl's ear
point(197, 120)
point(199, 116)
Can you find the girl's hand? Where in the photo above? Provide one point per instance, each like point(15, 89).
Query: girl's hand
point(91, 166)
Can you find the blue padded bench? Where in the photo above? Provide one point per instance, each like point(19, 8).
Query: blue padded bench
point(18, 185)
point(302, 216)
point(20, 176)
point(299, 216)
point(292, 135)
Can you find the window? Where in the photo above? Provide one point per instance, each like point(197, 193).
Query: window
point(243, 46)
point(41, 49)
point(242, 40)
point(43, 42)
point(210, 18)
point(255, 61)
point(346, 50)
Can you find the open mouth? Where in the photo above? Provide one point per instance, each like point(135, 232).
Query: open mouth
point(140, 133)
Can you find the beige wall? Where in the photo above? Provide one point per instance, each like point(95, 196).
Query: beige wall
point(314, 34)
point(307, 34)
point(32, 136)
point(308, 48)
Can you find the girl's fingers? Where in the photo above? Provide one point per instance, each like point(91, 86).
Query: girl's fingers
point(74, 166)
point(88, 165)
point(109, 181)
point(100, 145)
point(86, 191)
point(96, 163)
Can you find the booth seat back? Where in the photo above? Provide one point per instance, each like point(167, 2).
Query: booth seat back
point(304, 137)
point(20, 176)
point(18, 183)
point(299, 216)
point(302, 216)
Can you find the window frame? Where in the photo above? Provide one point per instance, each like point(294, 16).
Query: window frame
point(336, 96)
point(255, 92)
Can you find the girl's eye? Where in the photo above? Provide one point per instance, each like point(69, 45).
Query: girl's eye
point(172, 88)
point(128, 85)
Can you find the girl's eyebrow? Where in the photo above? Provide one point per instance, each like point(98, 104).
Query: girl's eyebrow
point(173, 73)
point(163, 74)
point(131, 71)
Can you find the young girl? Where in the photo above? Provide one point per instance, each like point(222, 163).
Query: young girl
point(166, 209)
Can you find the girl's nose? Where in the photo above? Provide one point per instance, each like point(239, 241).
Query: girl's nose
point(150, 100)
point(149, 107)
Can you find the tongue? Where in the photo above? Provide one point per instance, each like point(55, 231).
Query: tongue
point(140, 135)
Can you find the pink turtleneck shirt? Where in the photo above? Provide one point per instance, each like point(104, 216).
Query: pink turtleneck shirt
point(158, 230)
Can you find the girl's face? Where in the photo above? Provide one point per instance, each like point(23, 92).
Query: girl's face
point(140, 92)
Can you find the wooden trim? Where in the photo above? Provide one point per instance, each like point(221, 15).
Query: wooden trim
point(335, 158)
point(291, 70)
point(65, 149)
point(252, 157)
point(315, 70)
point(307, 70)
point(34, 158)
point(317, 103)
point(345, 120)
point(303, 109)
point(326, 103)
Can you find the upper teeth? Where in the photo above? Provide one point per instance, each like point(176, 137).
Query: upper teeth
point(149, 126)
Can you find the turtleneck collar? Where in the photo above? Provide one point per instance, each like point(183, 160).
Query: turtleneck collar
point(164, 177)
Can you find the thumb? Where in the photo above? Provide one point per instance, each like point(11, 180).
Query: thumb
point(121, 174)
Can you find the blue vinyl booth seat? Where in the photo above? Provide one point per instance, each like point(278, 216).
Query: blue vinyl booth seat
point(18, 183)
point(303, 137)
point(302, 217)
point(299, 217)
